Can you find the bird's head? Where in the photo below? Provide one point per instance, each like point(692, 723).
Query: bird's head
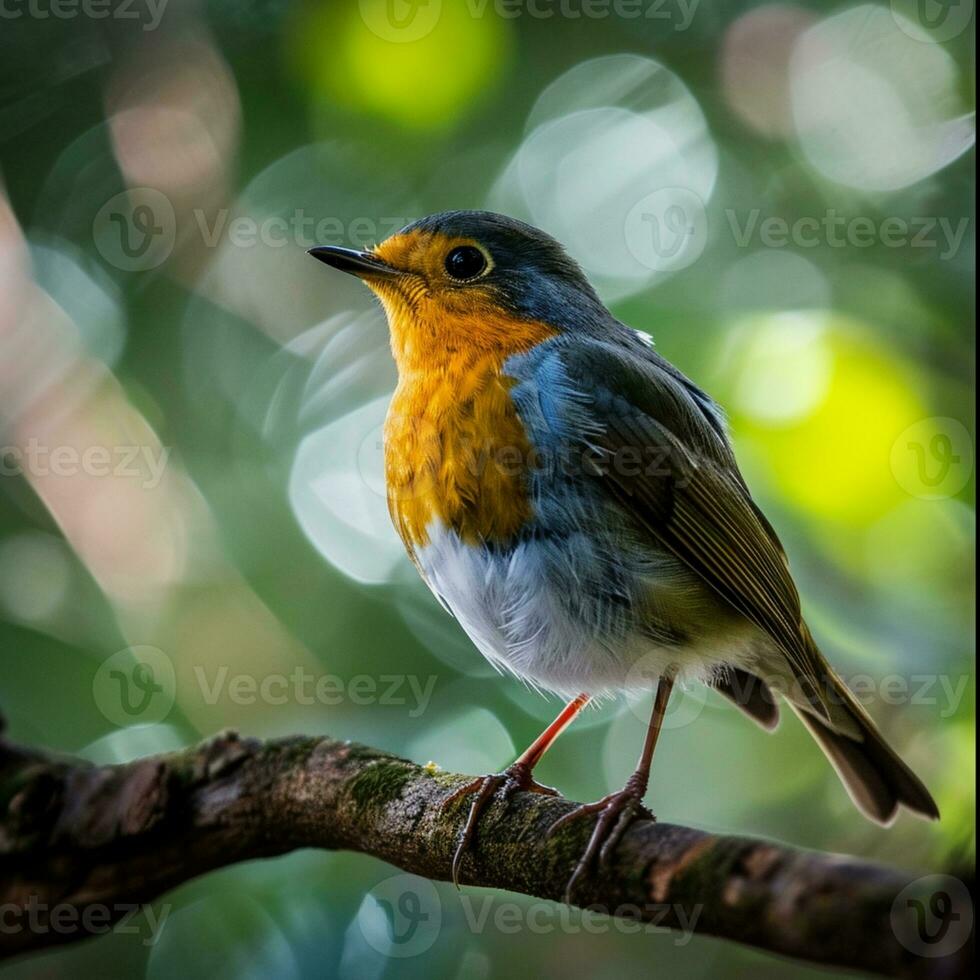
point(470, 281)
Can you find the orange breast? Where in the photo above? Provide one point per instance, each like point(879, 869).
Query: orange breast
point(456, 452)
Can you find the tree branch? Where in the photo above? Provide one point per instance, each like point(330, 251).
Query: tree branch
point(86, 837)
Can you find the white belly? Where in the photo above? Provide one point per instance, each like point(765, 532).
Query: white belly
point(521, 612)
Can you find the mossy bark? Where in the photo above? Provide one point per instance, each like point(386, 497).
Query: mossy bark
point(72, 832)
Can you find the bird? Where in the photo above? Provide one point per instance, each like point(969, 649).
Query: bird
point(573, 499)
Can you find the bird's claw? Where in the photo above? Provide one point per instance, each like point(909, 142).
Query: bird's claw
point(503, 785)
point(616, 812)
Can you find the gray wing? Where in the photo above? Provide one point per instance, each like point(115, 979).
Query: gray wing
point(657, 445)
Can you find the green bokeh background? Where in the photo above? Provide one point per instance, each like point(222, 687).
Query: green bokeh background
point(833, 361)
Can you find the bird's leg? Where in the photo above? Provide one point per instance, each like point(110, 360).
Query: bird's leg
point(517, 776)
point(618, 810)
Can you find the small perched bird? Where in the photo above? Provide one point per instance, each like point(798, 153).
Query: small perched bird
point(573, 500)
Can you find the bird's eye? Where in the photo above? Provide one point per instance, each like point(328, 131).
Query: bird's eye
point(465, 262)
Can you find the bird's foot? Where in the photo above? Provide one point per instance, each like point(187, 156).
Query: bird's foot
point(616, 812)
point(502, 785)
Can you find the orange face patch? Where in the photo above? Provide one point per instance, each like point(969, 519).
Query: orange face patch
point(433, 317)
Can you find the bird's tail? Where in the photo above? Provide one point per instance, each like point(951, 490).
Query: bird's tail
point(873, 774)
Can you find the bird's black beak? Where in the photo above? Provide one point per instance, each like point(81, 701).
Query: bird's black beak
point(362, 264)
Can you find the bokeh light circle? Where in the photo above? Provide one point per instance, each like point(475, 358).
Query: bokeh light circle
point(874, 109)
point(755, 61)
point(334, 490)
point(803, 384)
point(611, 141)
point(421, 64)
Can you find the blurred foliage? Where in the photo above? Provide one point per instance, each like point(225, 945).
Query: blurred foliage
point(235, 547)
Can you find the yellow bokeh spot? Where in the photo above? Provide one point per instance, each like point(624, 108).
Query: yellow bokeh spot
point(420, 63)
point(850, 400)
